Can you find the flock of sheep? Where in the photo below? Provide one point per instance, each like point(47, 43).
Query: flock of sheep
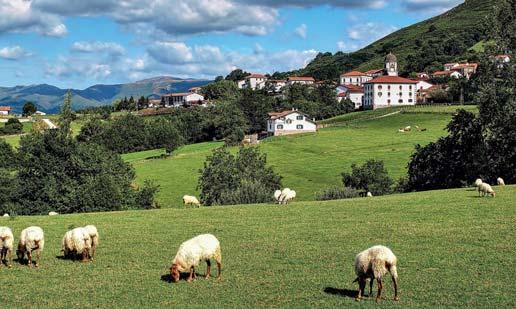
point(282, 197)
point(409, 129)
point(81, 241)
point(485, 189)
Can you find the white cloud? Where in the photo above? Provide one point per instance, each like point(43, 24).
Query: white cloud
point(111, 48)
point(369, 32)
point(13, 53)
point(345, 47)
point(171, 52)
point(431, 6)
point(301, 31)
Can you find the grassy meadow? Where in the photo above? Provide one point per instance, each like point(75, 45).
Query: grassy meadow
point(454, 250)
point(310, 162)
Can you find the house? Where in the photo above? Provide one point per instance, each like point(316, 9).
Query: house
point(154, 103)
point(304, 80)
point(181, 99)
point(503, 58)
point(440, 74)
point(241, 83)
point(276, 85)
point(254, 81)
point(422, 76)
point(466, 69)
point(5, 110)
point(195, 90)
point(374, 73)
point(290, 122)
point(354, 78)
point(450, 66)
point(387, 91)
point(422, 84)
point(425, 95)
point(40, 113)
point(352, 92)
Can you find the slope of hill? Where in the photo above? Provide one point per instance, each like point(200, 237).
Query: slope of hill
point(425, 45)
point(49, 98)
point(308, 163)
point(454, 249)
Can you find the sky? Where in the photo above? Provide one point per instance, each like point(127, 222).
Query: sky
point(79, 43)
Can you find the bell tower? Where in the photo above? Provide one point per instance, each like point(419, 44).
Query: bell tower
point(391, 65)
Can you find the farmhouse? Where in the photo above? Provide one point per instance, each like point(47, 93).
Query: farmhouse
point(304, 80)
point(352, 92)
point(254, 82)
point(290, 122)
point(181, 99)
point(354, 78)
point(453, 74)
point(5, 110)
point(276, 85)
point(387, 91)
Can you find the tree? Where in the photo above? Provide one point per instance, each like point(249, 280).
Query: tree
point(370, 177)
point(12, 126)
point(236, 75)
point(255, 105)
point(7, 155)
point(223, 90)
point(241, 179)
point(66, 116)
point(29, 109)
point(227, 122)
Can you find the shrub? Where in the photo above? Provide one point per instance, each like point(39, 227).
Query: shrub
point(241, 179)
point(145, 197)
point(7, 156)
point(336, 193)
point(370, 177)
point(12, 126)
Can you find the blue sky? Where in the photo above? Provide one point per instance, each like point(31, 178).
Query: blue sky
point(79, 43)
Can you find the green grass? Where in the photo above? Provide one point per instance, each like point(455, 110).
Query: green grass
point(308, 163)
point(454, 250)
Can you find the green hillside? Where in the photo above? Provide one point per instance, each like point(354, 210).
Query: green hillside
point(454, 250)
point(311, 162)
point(451, 36)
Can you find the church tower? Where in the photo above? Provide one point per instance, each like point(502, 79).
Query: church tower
point(391, 65)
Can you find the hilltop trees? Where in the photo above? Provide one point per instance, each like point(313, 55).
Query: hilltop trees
point(29, 109)
point(370, 177)
point(243, 178)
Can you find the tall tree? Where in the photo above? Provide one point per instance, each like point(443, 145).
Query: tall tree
point(29, 109)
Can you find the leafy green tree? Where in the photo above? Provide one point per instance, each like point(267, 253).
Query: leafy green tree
point(29, 109)
point(66, 116)
point(12, 126)
point(7, 155)
point(370, 177)
point(255, 105)
point(223, 90)
point(92, 131)
point(236, 75)
point(241, 179)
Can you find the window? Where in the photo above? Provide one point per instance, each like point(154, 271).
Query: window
point(300, 117)
point(410, 87)
point(299, 127)
point(279, 127)
point(410, 100)
point(380, 87)
point(400, 94)
point(401, 88)
point(380, 94)
point(389, 94)
point(410, 94)
point(389, 102)
point(289, 121)
point(400, 101)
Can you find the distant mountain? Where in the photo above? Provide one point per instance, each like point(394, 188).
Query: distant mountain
point(458, 34)
point(49, 98)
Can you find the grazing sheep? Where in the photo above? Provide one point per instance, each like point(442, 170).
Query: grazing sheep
point(277, 195)
point(6, 215)
point(478, 182)
point(6, 246)
point(77, 242)
point(52, 213)
point(191, 252)
point(286, 196)
point(31, 239)
point(407, 129)
point(485, 189)
point(401, 131)
point(500, 181)
point(94, 234)
point(191, 200)
point(374, 263)
point(369, 194)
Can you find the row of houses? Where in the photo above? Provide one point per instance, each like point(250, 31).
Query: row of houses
point(257, 81)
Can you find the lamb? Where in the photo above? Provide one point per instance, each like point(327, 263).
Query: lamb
point(277, 195)
point(500, 181)
point(191, 200)
point(191, 252)
point(478, 182)
point(374, 263)
point(369, 194)
point(6, 215)
point(286, 196)
point(94, 235)
point(485, 189)
point(6, 246)
point(52, 213)
point(77, 241)
point(31, 239)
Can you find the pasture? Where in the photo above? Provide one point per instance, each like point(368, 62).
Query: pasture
point(311, 162)
point(454, 250)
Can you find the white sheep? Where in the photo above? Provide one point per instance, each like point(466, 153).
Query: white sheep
point(31, 239)
point(191, 252)
point(191, 200)
point(6, 215)
point(369, 194)
point(53, 213)
point(478, 182)
point(94, 234)
point(283, 194)
point(277, 195)
point(486, 189)
point(6, 246)
point(286, 196)
point(407, 129)
point(374, 263)
point(500, 181)
point(401, 131)
point(77, 242)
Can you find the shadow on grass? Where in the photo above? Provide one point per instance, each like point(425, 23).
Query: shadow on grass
point(183, 277)
point(341, 292)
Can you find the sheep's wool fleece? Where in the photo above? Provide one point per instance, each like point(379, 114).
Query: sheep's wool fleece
point(6, 238)
point(373, 260)
point(81, 239)
point(30, 236)
point(191, 252)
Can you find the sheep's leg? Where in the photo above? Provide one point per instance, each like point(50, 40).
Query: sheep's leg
point(380, 286)
point(371, 287)
point(361, 288)
point(93, 251)
point(10, 254)
point(395, 283)
point(38, 255)
point(191, 276)
point(29, 257)
point(208, 271)
point(219, 268)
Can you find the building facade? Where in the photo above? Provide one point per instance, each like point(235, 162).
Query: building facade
point(389, 91)
point(290, 122)
point(181, 99)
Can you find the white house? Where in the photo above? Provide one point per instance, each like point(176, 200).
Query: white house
point(387, 91)
point(304, 80)
point(354, 78)
point(450, 66)
point(422, 84)
point(290, 122)
point(40, 113)
point(5, 110)
point(276, 85)
point(241, 84)
point(374, 73)
point(454, 74)
point(352, 92)
point(503, 58)
point(255, 81)
point(180, 99)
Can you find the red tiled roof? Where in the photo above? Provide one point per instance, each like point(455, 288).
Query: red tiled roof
point(374, 71)
point(5, 108)
point(342, 94)
point(354, 88)
point(503, 56)
point(391, 80)
point(442, 73)
point(255, 75)
point(276, 115)
point(353, 73)
point(467, 65)
point(301, 78)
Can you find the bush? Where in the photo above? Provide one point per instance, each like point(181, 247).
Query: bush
point(336, 193)
point(145, 197)
point(12, 126)
point(240, 179)
point(370, 177)
point(7, 156)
